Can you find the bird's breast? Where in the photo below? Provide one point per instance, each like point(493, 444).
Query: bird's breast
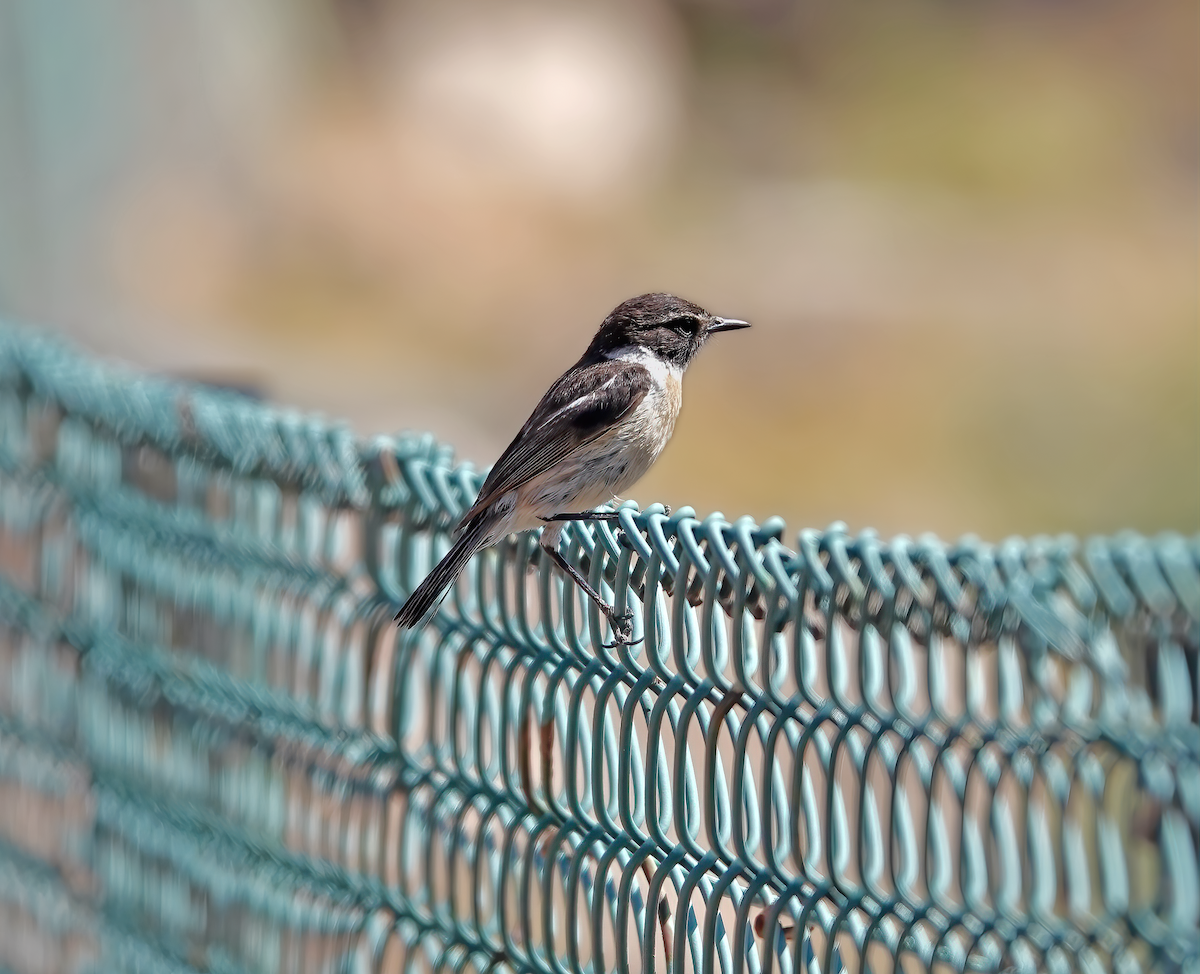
point(650, 425)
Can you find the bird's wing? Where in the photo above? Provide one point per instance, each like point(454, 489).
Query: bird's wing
point(581, 405)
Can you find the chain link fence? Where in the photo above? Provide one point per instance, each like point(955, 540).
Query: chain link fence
point(827, 752)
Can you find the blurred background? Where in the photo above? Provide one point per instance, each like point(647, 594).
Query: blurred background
point(966, 234)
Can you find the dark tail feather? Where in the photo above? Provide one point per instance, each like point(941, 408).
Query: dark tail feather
point(426, 595)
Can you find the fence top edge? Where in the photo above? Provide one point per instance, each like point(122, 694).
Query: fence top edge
point(418, 474)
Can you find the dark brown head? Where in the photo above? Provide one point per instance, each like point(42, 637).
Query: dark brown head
point(662, 324)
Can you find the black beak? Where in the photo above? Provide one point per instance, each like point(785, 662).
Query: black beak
point(726, 324)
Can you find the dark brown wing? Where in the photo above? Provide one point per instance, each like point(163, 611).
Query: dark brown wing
point(581, 405)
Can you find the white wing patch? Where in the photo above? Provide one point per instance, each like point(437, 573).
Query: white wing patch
point(582, 399)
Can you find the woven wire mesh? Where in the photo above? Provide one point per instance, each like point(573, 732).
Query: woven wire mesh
point(827, 753)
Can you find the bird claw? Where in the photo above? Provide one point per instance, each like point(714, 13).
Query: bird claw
point(622, 627)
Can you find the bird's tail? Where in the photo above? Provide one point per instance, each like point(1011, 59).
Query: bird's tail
point(426, 595)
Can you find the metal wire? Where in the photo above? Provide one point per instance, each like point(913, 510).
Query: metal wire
point(218, 754)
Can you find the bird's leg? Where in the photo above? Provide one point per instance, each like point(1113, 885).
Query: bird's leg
point(622, 625)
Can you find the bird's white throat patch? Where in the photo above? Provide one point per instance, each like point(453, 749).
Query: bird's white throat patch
point(659, 370)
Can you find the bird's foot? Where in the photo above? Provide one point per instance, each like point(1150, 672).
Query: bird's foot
point(622, 627)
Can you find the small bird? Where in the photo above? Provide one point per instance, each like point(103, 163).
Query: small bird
point(595, 432)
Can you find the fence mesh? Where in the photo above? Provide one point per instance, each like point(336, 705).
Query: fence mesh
point(827, 753)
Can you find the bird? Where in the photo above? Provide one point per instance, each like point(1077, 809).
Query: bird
point(595, 432)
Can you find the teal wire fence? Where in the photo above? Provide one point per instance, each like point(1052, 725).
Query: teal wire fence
point(828, 752)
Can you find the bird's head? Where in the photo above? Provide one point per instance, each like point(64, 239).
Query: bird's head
point(662, 324)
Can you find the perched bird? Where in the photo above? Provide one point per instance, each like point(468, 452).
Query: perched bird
point(599, 428)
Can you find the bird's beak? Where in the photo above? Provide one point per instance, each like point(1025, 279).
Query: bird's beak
point(726, 324)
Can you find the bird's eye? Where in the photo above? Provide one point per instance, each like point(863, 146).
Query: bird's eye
point(685, 325)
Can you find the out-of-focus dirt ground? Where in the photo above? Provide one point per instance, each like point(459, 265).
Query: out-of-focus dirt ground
point(966, 234)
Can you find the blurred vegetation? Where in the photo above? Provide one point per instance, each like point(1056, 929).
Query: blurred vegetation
point(966, 234)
